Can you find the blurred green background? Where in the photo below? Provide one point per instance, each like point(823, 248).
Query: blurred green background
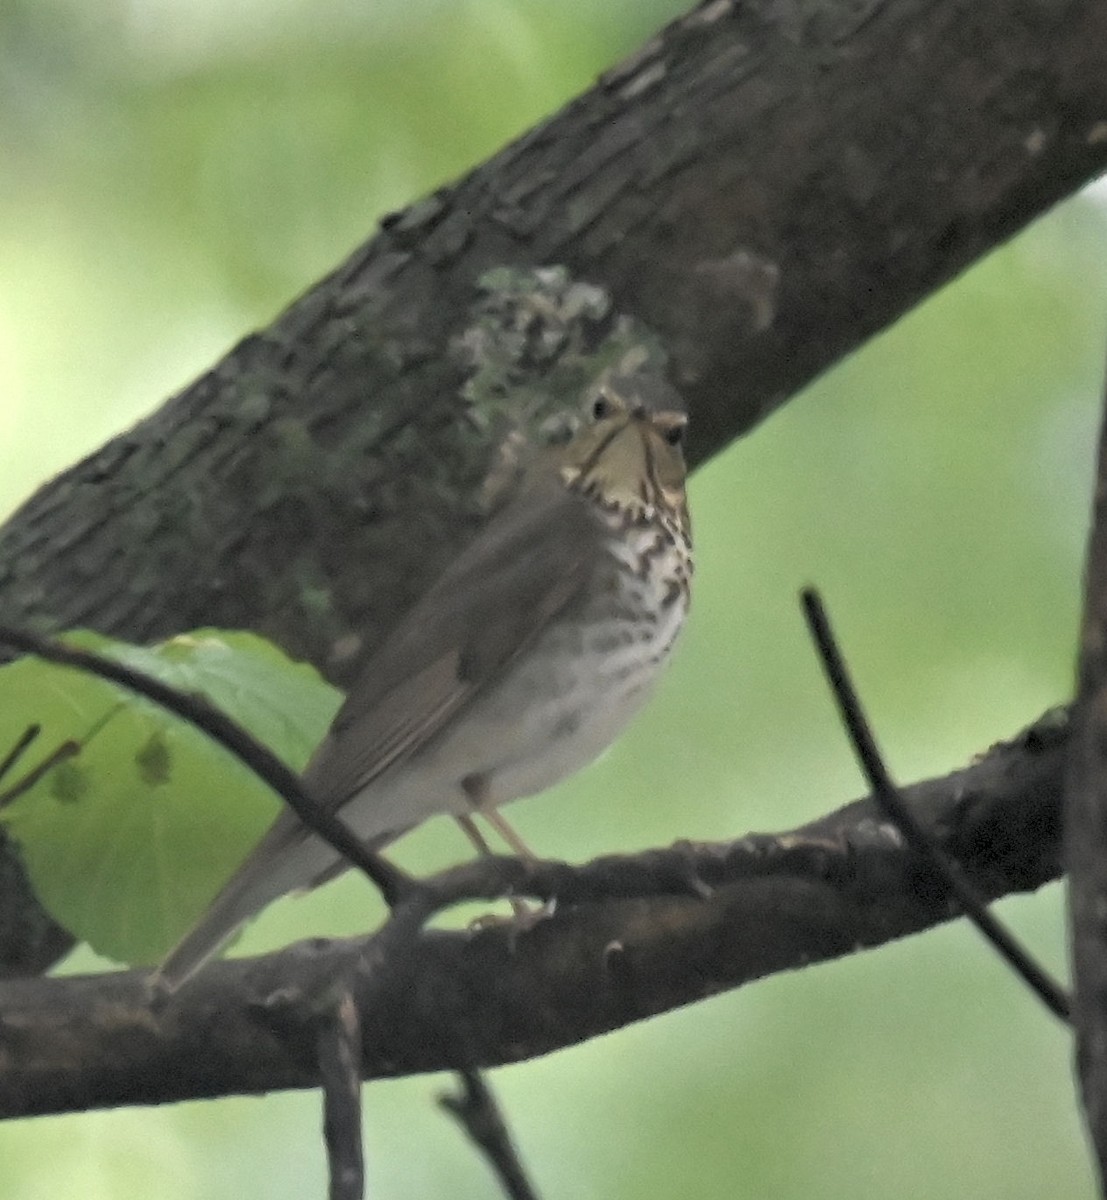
point(172, 172)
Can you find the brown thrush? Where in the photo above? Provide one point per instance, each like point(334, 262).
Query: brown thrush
point(518, 667)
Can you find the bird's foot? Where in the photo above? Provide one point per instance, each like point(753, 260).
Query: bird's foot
point(524, 917)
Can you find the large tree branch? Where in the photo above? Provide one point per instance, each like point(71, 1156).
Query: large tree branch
point(635, 942)
point(763, 186)
point(758, 186)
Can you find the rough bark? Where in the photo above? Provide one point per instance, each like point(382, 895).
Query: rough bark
point(641, 935)
point(1086, 832)
point(762, 187)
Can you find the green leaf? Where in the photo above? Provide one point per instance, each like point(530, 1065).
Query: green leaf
point(127, 842)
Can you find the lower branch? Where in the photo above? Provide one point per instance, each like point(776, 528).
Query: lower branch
point(642, 935)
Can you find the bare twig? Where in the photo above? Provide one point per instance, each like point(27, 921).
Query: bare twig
point(478, 1113)
point(65, 751)
point(390, 881)
point(886, 794)
point(339, 1050)
point(19, 749)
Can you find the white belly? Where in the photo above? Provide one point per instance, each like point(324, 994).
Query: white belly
point(556, 711)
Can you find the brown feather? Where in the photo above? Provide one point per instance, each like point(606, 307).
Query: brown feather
point(531, 562)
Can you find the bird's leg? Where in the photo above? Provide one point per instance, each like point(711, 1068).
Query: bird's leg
point(500, 825)
point(475, 788)
point(476, 792)
point(471, 829)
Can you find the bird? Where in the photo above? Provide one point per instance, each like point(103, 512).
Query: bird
point(520, 665)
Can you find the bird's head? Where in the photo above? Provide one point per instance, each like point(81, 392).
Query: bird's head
point(628, 454)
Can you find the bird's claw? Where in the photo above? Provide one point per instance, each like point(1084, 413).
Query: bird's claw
point(524, 917)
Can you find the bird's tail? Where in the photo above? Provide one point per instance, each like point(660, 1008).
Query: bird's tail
point(288, 857)
point(231, 908)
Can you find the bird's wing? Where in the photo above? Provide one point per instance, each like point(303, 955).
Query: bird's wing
point(530, 563)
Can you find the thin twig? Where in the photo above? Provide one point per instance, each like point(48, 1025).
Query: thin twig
point(478, 1113)
point(339, 1051)
point(887, 796)
point(390, 881)
point(19, 749)
point(65, 751)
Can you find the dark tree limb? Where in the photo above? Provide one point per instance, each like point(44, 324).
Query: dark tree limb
point(1086, 830)
point(759, 186)
point(683, 924)
point(477, 1112)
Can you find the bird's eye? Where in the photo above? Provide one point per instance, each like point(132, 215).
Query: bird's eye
point(674, 435)
point(601, 407)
